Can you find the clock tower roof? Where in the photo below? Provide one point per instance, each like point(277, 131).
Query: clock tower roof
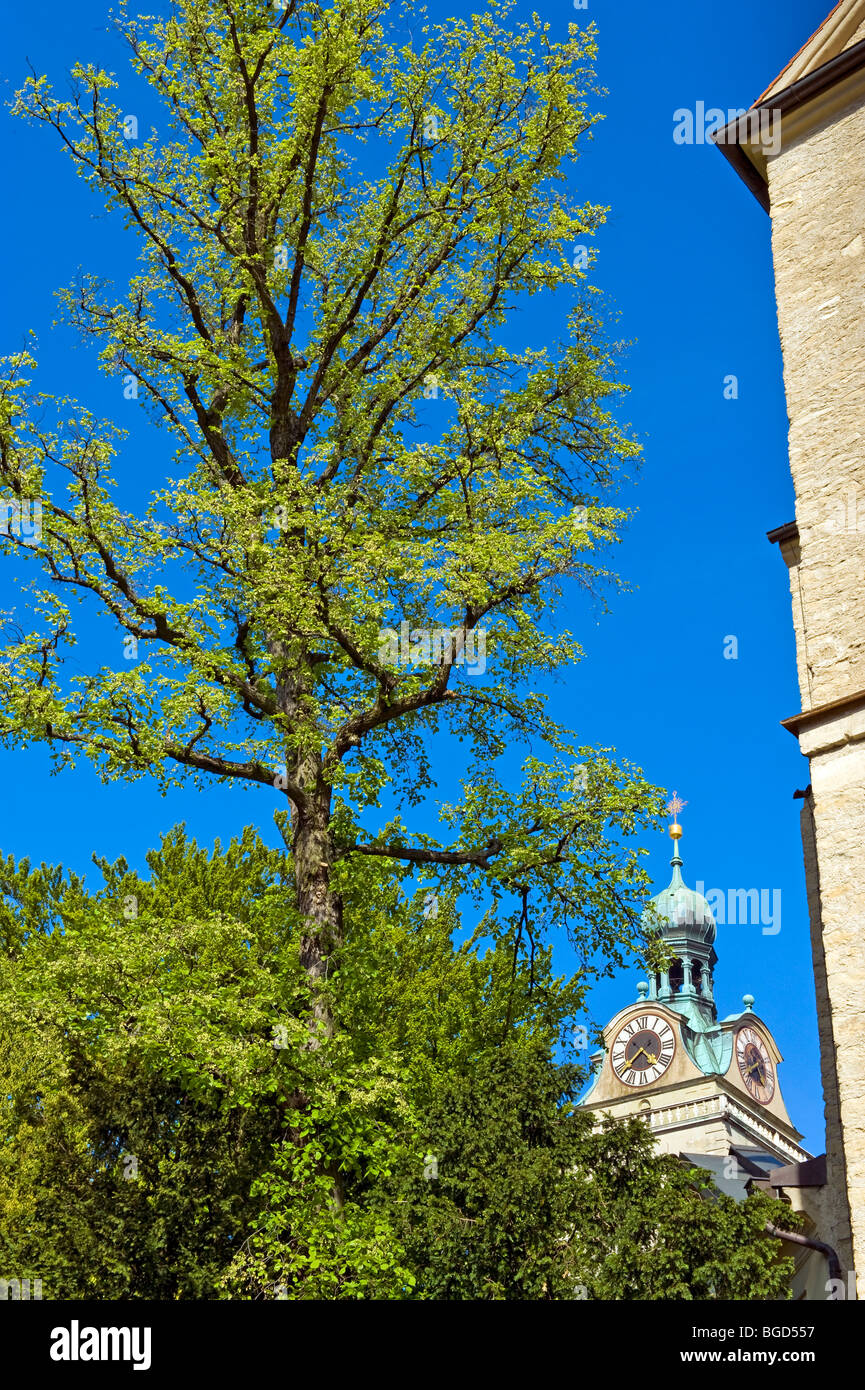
point(682, 919)
point(680, 914)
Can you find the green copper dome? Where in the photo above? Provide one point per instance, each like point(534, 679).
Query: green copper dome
point(678, 912)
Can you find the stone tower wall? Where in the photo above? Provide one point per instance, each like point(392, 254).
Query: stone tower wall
point(834, 1209)
point(817, 191)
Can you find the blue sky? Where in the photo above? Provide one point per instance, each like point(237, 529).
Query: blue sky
point(685, 260)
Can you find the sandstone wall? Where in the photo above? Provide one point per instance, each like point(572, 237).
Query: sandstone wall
point(834, 1212)
point(817, 189)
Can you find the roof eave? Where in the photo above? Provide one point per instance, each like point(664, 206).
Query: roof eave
point(738, 152)
point(748, 172)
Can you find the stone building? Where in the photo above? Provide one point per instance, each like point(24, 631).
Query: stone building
point(810, 178)
point(709, 1087)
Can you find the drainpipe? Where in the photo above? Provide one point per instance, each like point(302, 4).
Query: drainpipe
point(797, 1239)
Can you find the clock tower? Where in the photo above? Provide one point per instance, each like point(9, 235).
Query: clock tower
point(706, 1086)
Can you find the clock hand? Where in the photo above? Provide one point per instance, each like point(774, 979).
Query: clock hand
point(648, 1056)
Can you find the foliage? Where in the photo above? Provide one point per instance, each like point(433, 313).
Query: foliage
point(533, 1199)
point(168, 1131)
point(141, 1095)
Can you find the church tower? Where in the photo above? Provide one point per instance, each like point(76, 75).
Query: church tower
point(706, 1086)
point(811, 180)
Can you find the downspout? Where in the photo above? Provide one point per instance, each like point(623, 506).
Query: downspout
point(797, 1239)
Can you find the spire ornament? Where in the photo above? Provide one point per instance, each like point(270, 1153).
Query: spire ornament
point(673, 808)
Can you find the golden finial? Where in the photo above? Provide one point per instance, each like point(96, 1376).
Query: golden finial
point(673, 809)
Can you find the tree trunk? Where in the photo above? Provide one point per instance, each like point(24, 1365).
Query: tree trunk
point(322, 912)
point(312, 852)
point(320, 906)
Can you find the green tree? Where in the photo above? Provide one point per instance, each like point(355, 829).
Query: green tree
point(141, 1095)
point(335, 221)
point(528, 1198)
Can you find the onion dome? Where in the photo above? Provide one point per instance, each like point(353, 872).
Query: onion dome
point(679, 912)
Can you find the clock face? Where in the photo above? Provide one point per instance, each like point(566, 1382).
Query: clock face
point(642, 1050)
point(755, 1065)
